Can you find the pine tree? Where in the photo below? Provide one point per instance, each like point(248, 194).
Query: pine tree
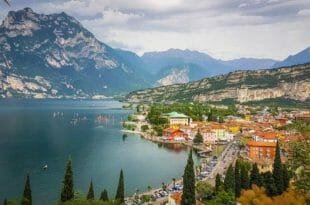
point(120, 193)
point(218, 183)
point(245, 182)
point(27, 196)
point(255, 177)
point(286, 177)
point(229, 181)
point(269, 184)
point(188, 196)
point(198, 138)
point(104, 195)
point(67, 192)
point(91, 194)
point(5, 202)
point(237, 179)
point(277, 170)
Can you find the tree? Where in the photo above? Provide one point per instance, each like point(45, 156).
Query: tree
point(90, 194)
point(245, 182)
point(173, 180)
point(27, 196)
point(255, 177)
point(120, 193)
point(268, 182)
point(286, 177)
point(188, 196)
point(5, 202)
point(229, 181)
point(104, 195)
point(67, 192)
point(210, 116)
point(144, 128)
point(204, 189)
point(198, 139)
point(277, 170)
point(237, 179)
point(218, 182)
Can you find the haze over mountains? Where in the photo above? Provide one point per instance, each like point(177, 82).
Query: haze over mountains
point(55, 56)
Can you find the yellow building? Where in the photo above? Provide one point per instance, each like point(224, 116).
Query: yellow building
point(247, 118)
point(176, 119)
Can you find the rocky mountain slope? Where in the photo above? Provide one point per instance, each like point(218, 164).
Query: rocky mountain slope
point(299, 58)
point(242, 86)
point(55, 56)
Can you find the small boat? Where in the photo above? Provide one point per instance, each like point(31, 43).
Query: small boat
point(45, 167)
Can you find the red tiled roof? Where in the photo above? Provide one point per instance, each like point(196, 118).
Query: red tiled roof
point(261, 144)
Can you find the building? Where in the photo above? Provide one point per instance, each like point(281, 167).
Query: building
point(176, 119)
point(175, 134)
point(220, 132)
point(266, 137)
point(261, 150)
point(176, 198)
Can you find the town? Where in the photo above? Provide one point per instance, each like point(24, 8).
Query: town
point(245, 133)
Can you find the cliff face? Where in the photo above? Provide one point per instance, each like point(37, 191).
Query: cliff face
point(242, 86)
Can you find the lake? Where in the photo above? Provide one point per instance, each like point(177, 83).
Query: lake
point(34, 133)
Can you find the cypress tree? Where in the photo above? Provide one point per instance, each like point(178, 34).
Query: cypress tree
point(120, 193)
point(104, 195)
point(237, 179)
point(90, 194)
point(5, 202)
point(188, 196)
point(198, 138)
point(286, 177)
point(255, 177)
point(277, 170)
point(218, 182)
point(269, 184)
point(245, 182)
point(27, 196)
point(229, 181)
point(67, 192)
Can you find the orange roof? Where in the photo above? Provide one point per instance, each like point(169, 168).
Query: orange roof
point(184, 127)
point(267, 135)
point(261, 144)
point(177, 197)
point(170, 130)
point(217, 126)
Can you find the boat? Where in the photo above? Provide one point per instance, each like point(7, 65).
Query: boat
point(45, 167)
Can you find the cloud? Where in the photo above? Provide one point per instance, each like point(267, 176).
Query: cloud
point(224, 28)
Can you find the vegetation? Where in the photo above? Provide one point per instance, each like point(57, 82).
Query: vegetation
point(120, 193)
point(27, 196)
point(218, 182)
point(144, 128)
point(67, 192)
point(188, 196)
point(229, 181)
point(237, 179)
point(255, 177)
point(90, 194)
point(277, 170)
point(104, 195)
point(198, 139)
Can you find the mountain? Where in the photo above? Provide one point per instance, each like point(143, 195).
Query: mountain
point(291, 83)
point(250, 63)
point(55, 56)
point(299, 58)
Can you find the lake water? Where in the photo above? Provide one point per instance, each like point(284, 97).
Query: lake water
point(38, 132)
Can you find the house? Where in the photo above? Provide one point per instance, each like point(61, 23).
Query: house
point(220, 132)
point(259, 150)
point(262, 136)
point(176, 198)
point(208, 136)
point(175, 134)
point(176, 119)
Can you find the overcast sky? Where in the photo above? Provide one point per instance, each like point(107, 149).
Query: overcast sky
point(224, 29)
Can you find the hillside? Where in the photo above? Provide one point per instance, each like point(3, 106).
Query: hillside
point(242, 86)
point(298, 58)
point(55, 56)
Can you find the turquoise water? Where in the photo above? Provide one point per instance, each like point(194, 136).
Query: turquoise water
point(38, 132)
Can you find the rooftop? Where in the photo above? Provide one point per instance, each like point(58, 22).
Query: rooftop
point(176, 115)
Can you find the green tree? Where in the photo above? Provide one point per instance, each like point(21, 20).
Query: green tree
point(198, 139)
point(67, 192)
point(229, 181)
point(188, 196)
point(210, 116)
point(204, 189)
point(218, 183)
point(245, 182)
point(27, 195)
point(277, 170)
point(91, 194)
point(237, 179)
point(286, 177)
point(268, 183)
point(120, 193)
point(255, 177)
point(144, 128)
point(5, 202)
point(104, 195)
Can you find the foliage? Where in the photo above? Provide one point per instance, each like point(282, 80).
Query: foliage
point(27, 196)
point(223, 198)
point(245, 182)
point(257, 196)
point(104, 195)
point(91, 194)
point(145, 198)
point(229, 181)
point(144, 128)
point(277, 170)
point(269, 184)
point(286, 177)
point(67, 192)
point(188, 196)
point(120, 193)
point(218, 182)
point(204, 189)
point(198, 139)
point(255, 177)
point(159, 130)
point(237, 179)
